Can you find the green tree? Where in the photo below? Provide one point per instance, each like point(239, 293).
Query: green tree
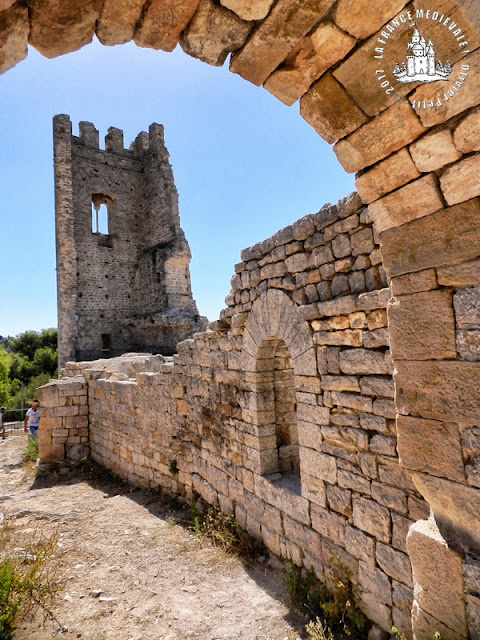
point(4, 379)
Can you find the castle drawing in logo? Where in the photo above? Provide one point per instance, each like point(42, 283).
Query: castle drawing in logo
point(421, 65)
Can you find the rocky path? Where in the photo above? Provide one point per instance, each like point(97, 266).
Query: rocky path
point(129, 570)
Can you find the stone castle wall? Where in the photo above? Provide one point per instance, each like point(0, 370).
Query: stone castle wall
point(131, 273)
point(282, 411)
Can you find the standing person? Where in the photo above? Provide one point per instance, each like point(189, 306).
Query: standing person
point(2, 422)
point(32, 419)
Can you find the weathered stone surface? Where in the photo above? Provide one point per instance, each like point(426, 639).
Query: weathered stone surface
point(468, 96)
point(276, 36)
point(330, 110)
point(415, 200)
point(430, 446)
point(362, 19)
point(374, 581)
point(62, 26)
point(433, 241)
point(466, 135)
point(434, 151)
point(371, 517)
point(456, 507)
point(213, 33)
point(162, 23)
point(468, 344)
point(395, 564)
point(318, 465)
point(473, 616)
point(390, 131)
point(378, 613)
point(386, 176)
point(467, 307)
point(118, 20)
point(425, 625)
point(460, 275)
point(362, 361)
point(249, 9)
point(313, 56)
point(439, 390)
point(414, 282)
point(422, 326)
point(6, 4)
point(460, 182)
point(14, 29)
point(360, 546)
point(437, 576)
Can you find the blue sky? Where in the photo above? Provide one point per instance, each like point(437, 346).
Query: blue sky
point(245, 165)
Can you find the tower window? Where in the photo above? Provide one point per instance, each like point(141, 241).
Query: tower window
point(101, 214)
point(106, 341)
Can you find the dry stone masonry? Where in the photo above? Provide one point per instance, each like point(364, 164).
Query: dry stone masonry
point(122, 258)
point(223, 408)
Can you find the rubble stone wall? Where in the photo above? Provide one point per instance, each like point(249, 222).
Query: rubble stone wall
point(283, 411)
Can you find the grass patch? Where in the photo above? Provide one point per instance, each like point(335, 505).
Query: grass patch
point(31, 452)
point(331, 607)
point(27, 579)
point(222, 531)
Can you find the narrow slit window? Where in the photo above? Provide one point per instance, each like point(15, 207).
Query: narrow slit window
point(106, 341)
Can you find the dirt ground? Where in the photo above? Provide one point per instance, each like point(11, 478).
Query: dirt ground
point(156, 579)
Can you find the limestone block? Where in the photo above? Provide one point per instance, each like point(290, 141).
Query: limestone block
point(51, 453)
point(471, 572)
point(422, 326)
point(473, 616)
point(362, 361)
point(414, 282)
point(386, 176)
point(313, 489)
point(328, 524)
point(373, 423)
point(345, 304)
point(329, 109)
point(296, 263)
point(377, 338)
point(390, 497)
point(375, 581)
point(283, 499)
point(395, 564)
point(276, 36)
point(321, 256)
point(48, 394)
point(469, 96)
point(62, 26)
point(400, 527)
point(390, 131)
point(372, 518)
point(249, 9)
point(437, 240)
point(430, 446)
point(14, 29)
point(445, 391)
point(309, 435)
point(466, 135)
point(348, 338)
point(379, 613)
point(118, 20)
point(434, 151)
point(456, 507)
point(316, 53)
point(437, 577)
point(460, 275)
point(374, 299)
point(352, 401)
point(460, 182)
point(383, 444)
point(6, 4)
point(162, 23)
point(467, 308)
point(362, 19)
point(468, 344)
point(213, 33)
point(360, 546)
point(415, 200)
point(319, 465)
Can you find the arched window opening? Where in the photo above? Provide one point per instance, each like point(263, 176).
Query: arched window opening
point(276, 399)
point(101, 214)
point(286, 430)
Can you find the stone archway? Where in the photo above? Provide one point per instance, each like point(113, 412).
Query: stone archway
point(418, 171)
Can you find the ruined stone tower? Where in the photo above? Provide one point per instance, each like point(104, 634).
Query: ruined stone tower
point(122, 258)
